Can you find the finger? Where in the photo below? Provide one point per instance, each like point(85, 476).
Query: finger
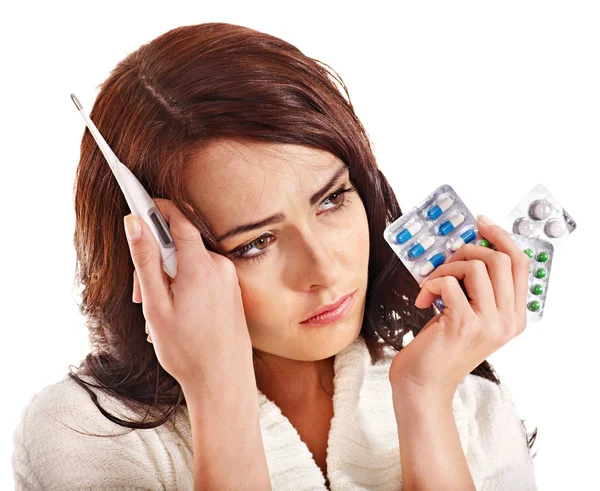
point(499, 271)
point(146, 328)
point(191, 251)
point(520, 261)
point(145, 253)
point(448, 288)
point(476, 279)
point(519, 267)
point(137, 292)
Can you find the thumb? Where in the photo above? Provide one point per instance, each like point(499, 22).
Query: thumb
point(145, 253)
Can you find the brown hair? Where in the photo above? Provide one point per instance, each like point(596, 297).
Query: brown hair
point(190, 86)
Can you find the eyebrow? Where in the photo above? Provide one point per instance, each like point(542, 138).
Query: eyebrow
point(280, 217)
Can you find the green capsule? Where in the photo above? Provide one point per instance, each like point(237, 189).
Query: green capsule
point(530, 270)
point(537, 289)
point(484, 243)
point(534, 305)
point(529, 252)
point(540, 273)
point(542, 257)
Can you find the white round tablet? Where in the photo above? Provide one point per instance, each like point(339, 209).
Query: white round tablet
point(555, 228)
point(540, 209)
point(524, 226)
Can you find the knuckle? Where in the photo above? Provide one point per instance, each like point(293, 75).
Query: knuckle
point(226, 267)
point(478, 266)
point(141, 257)
point(502, 258)
point(450, 281)
point(226, 263)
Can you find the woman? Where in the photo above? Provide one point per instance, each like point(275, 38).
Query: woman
point(277, 208)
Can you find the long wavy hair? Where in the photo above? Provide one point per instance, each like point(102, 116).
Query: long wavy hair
point(158, 107)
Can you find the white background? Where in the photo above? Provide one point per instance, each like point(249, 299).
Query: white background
point(490, 97)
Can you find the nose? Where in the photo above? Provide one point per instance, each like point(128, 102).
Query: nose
point(314, 259)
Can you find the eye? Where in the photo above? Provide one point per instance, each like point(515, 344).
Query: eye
point(336, 196)
point(264, 240)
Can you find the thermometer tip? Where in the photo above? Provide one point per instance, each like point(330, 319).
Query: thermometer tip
point(76, 102)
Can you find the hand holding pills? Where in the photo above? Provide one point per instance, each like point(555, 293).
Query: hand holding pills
point(438, 226)
point(456, 341)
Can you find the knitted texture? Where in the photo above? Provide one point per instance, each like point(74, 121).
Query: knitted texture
point(362, 450)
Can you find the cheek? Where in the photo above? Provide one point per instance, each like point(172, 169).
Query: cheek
point(257, 297)
point(355, 237)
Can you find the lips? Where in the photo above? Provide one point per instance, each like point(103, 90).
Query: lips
point(330, 307)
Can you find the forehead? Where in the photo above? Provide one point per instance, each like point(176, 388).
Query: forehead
point(232, 182)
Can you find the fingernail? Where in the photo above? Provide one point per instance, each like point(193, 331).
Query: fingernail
point(133, 230)
point(485, 220)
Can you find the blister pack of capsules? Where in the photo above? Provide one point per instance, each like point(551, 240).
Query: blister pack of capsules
point(426, 236)
point(541, 216)
point(541, 253)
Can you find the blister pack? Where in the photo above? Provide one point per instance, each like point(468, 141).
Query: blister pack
point(427, 235)
point(541, 253)
point(540, 215)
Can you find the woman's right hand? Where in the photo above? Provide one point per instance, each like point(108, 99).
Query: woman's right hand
point(196, 320)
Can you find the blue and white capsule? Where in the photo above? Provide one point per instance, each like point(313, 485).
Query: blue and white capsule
point(465, 238)
point(432, 263)
point(409, 232)
point(420, 247)
point(449, 225)
point(440, 206)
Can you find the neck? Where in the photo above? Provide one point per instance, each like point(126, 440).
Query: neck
point(293, 384)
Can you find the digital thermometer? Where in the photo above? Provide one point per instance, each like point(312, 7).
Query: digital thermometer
point(139, 201)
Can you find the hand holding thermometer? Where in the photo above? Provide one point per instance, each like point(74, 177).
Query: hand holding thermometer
point(139, 201)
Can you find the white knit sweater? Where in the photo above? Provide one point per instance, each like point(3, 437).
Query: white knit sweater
point(362, 452)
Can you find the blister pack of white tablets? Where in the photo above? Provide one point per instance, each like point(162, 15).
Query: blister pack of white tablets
point(541, 216)
point(427, 235)
point(541, 253)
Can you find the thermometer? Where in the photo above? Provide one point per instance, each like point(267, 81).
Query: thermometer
point(139, 201)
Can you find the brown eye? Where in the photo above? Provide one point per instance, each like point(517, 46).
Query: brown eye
point(335, 196)
point(261, 243)
point(334, 199)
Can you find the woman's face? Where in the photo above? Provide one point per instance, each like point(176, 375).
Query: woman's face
point(316, 253)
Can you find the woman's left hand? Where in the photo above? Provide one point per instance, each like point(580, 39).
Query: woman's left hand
point(468, 330)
